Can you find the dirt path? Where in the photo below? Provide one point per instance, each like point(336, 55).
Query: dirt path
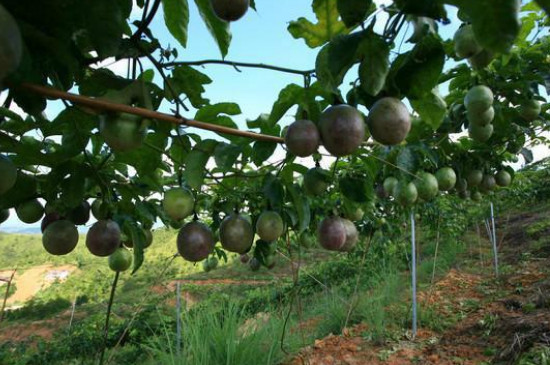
point(35, 279)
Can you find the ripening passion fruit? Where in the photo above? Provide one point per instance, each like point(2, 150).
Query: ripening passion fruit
point(81, 214)
point(332, 233)
point(230, 10)
point(302, 138)
point(389, 121)
point(352, 235)
point(342, 129)
point(103, 238)
point(269, 226)
point(60, 237)
point(236, 234)
point(195, 241)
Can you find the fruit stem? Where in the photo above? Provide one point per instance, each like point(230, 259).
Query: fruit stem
point(104, 105)
point(109, 306)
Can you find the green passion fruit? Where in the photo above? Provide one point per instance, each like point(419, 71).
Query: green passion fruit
point(269, 226)
point(302, 138)
point(480, 133)
point(503, 178)
point(8, 172)
point(465, 42)
point(230, 10)
point(481, 118)
point(101, 209)
point(60, 237)
point(488, 183)
point(530, 110)
point(342, 129)
point(406, 193)
point(476, 196)
point(332, 233)
point(389, 121)
point(426, 185)
point(446, 178)
point(195, 241)
point(389, 185)
point(120, 260)
point(30, 211)
point(478, 99)
point(474, 177)
point(11, 44)
point(178, 203)
point(236, 234)
point(481, 60)
point(122, 132)
point(103, 238)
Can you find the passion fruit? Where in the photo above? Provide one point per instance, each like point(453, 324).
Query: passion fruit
point(332, 233)
point(352, 235)
point(122, 132)
point(478, 99)
point(446, 178)
point(254, 264)
point(120, 260)
point(480, 133)
point(476, 196)
point(302, 138)
point(236, 234)
point(465, 42)
point(389, 121)
point(481, 60)
point(178, 203)
point(81, 214)
point(427, 186)
point(103, 238)
point(474, 177)
point(195, 241)
point(230, 10)
point(488, 183)
point(269, 226)
point(406, 193)
point(30, 211)
point(8, 171)
point(503, 178)
point(481, 118)
point(101, 209)
point(48, 219)
point(60, 237)
point(530, 110)
point(389, 185)
point(342, 129)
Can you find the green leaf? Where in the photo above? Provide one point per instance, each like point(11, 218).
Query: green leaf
point(288, 97)
point(188, 81)
point(72, 188)
point(274, 191)
point(195, 162)
point(527, 155)
point(406, 160)
point(25, 189)
point(353, 12)
point(417, 72)
point(496, 22)
point(226, 154)
point(545, 4)
point(357, 188)
point(336, 58)
point(176, 17)
point(138, 239)
point(375, 65)
point(218, 28)
point(432, 109)
point(327, 27)
point(148, 157)
point(261, 151)
point(428, 8)
point(209, 113)
point(301, 205)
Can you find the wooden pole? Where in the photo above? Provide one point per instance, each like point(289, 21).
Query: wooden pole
point(6, 295)
point(105, 105)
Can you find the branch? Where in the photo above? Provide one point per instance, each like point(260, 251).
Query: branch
point(240, 64)
point(104, 105)
point(145, 23)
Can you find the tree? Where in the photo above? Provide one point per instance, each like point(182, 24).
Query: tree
point(100, 149)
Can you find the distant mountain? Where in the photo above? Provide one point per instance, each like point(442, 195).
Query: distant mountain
point(20, 229)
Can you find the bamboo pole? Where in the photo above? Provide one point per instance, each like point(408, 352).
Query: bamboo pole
point(142, 112)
